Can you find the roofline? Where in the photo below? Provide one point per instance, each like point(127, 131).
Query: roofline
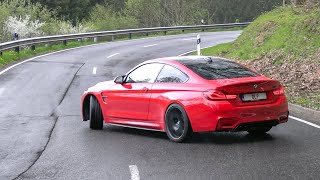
point(181, 58)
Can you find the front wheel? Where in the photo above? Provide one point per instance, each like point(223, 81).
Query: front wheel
point(177, 123)
point(96, 117)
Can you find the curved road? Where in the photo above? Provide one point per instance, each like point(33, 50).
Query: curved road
point(42, 135)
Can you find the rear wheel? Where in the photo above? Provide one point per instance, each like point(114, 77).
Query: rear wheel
point(177, 123)
point(96, 117)
point(260, 130)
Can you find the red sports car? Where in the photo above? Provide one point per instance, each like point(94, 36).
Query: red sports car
point(181, 95)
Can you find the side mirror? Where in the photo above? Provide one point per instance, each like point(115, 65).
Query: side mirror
point(119, 79)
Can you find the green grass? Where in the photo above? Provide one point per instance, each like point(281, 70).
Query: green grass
point(307, 101)
point(289, 31)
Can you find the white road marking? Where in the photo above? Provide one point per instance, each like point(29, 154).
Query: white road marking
point(113, 55)
point(1, 90)
point(303, 121)
point(134, 172)
point(94, 71)
point(150, 45)
point(118, 42)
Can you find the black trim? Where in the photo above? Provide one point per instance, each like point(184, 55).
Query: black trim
point(255, 125)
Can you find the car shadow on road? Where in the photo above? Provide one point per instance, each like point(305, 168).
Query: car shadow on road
point(223, 138)
point(137, 132)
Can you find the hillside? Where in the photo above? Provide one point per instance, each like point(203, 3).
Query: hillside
point(283, 44)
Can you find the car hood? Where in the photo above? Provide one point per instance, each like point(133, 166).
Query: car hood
point(101, 86)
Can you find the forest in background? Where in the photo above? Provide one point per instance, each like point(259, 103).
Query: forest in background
point(164, 12)
point(31, 18)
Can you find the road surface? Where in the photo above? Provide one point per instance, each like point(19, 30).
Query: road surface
point(42, 135)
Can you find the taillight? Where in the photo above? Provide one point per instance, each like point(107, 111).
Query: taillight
point(279, 92)
point(217, 95)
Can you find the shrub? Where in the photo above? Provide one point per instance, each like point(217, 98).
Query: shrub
point(25, 27)
point(104, 18)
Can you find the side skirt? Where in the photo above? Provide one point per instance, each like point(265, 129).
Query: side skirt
point(134, 127)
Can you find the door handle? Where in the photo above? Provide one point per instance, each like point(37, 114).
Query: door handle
point(145, 89)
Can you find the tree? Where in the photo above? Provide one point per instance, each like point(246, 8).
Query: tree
point(77, 10)
point(104, 17)
point(19, 11)
point(24, 26)
point(148, 13)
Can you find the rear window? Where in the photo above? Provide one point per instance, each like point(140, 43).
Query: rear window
point(218, 69)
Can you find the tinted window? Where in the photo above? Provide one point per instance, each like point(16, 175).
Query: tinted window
point(172, 75)
point(144, 74)
point(218, 69)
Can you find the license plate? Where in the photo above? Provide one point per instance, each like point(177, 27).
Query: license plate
point(254, 97)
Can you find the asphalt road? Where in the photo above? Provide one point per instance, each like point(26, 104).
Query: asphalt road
point(42, 135)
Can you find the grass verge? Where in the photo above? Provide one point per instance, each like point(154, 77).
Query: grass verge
point(12, 56)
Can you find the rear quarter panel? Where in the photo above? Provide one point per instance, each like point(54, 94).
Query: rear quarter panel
point(189, 96)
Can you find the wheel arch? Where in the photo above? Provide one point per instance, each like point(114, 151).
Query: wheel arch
point(86, 106)
point(183, 107)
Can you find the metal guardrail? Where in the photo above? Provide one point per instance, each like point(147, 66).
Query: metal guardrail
point(47, 39)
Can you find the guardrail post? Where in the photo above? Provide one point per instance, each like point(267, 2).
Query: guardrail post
point(17, 49)
point(147, 34)
point(15, 38)
point(182, 30)
point(1, 53)
point(165, 32)
point(130, 35)
point(65, 42)
point(112, 38)
point(202, 29)
point(95, 39)
point(33, 47)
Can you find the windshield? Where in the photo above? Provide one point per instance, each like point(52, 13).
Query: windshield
point(218, 69)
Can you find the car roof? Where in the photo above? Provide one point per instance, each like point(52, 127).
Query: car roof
point(185, 59)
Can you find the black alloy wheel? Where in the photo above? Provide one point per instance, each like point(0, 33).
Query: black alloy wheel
point(177, 123)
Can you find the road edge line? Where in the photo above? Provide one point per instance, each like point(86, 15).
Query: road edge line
point(304, 121)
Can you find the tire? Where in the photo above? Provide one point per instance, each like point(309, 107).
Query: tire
point(178, 128)
point(96, 117)
point(259, 131)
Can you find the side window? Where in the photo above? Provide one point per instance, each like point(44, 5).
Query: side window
point(144, 74)
point(171, 74)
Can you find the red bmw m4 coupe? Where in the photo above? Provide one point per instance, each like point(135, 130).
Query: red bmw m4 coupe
point(181, 95)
